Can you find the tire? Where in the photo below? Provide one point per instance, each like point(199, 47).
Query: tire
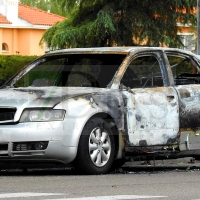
point(96, 148)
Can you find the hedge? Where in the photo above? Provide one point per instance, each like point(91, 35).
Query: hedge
point(10, 65)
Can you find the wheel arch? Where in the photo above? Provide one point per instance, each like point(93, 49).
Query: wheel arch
point(118, 136)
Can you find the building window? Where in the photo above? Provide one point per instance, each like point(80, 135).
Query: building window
point(4, 47)
point(188, 41)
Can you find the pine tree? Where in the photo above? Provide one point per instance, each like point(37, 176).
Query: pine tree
point(120, 22)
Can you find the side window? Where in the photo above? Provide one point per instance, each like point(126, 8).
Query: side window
point(183, 70)
point(143, 72)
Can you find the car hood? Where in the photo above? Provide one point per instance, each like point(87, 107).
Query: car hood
point(42, 97)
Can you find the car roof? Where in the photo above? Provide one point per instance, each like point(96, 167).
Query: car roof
point(114, 50)
point(123, 50)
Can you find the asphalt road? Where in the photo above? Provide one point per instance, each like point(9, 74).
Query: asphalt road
point(128, 183)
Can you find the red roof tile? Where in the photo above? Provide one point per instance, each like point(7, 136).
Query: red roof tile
point(3, 20)
point(37, 16)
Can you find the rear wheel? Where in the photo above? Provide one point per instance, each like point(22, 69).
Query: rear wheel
point(96, 148)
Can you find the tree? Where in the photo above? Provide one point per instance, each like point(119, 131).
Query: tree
point(120, 22)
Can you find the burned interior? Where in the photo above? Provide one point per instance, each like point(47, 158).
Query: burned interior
point(185, 71)
point(143, 72)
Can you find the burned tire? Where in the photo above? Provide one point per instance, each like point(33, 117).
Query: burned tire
point(96, 148)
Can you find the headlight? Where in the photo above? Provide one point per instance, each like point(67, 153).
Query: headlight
point(42, 115)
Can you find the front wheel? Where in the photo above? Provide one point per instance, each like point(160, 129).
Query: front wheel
point(96, 148)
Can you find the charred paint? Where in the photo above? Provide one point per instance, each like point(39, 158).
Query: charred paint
point(152, 116)
point(189, 98)
point(112, 104)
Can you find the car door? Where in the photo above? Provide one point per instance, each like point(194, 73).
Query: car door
point(151, 106)
point(186, 74)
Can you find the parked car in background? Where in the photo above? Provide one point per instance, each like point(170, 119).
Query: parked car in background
point(97, 107)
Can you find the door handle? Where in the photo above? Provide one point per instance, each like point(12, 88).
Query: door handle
point(170, 98)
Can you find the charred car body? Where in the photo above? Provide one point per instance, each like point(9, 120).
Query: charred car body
point(96, 107)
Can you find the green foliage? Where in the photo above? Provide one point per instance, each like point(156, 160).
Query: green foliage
point(10, 65)
point(117, 22)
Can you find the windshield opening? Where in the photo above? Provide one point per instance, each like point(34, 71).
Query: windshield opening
point(84, 70)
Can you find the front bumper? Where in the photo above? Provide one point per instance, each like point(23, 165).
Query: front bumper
point(17, 143)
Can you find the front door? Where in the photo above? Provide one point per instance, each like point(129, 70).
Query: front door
point(152, 112)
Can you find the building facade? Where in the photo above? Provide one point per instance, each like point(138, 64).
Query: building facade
point(22, 27)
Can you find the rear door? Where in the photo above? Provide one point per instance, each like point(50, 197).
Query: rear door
point(186, 75)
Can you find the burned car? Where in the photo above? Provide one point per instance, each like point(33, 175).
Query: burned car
point(94, 108)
